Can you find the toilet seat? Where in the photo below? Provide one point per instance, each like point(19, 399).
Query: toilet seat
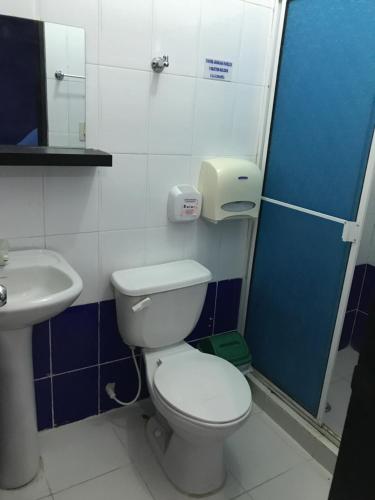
point(202, 387)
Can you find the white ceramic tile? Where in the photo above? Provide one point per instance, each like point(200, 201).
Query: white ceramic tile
point(246, 120)
point(92, 106)
point(256, 33)
point(35, 490)
point(19, 8)
point(78, 452)
point(21, 201)
point(165, 243)
point(71, 200)
point(256, 453)
point(233, 249)
point(171, 114)
point(287, 438)
point(125, 33)
point(124, 96)
point(79, 13)
point(81, 251)
point(176, 33)
point(123, 193)
point(205, 246)
point(221, 24)
point(26, 243)
point(195, 168)
point(117, 485)
point(338, 398)
point(119, 250)
point(164, 173)
point(308, 481)
point(214, 109)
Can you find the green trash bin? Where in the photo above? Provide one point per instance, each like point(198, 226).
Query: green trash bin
point(230, 346)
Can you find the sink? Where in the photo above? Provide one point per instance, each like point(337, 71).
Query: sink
point(40, 284)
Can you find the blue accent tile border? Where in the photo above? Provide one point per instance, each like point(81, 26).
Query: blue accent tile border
point(79, 351)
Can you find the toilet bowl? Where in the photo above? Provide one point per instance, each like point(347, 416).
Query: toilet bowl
point(200, 399)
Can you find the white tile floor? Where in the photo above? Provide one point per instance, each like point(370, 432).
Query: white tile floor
point(108, 458)
point(340, 391)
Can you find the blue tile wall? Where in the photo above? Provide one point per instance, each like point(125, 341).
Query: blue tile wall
point(361, 299)
point(111, 345)
point(227, 305)
point(79, 351)
point(74, 338)
point(204, 327)
point(75, 395)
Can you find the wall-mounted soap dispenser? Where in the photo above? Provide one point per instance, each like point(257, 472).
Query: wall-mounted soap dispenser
point(231, 189)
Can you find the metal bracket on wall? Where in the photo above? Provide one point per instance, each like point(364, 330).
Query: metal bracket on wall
point(350, 231)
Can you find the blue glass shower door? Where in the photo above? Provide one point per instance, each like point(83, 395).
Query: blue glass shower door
point(322, 127)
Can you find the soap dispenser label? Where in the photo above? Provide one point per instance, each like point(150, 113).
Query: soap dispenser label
point(191, 207)
point(215, 69)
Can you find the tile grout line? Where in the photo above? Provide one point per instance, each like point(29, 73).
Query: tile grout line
point(88, 480)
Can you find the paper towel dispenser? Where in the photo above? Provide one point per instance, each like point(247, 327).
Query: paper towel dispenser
point(231, 189)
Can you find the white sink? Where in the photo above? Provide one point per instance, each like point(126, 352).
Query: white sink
point(40, 284)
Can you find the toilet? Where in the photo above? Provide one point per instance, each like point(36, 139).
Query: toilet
point(200, 399)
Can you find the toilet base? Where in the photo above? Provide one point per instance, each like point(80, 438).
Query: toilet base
point(194, 469)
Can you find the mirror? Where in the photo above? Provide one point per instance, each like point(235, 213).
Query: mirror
point(42, 84)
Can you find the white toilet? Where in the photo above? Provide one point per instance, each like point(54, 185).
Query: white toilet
point(200, 399)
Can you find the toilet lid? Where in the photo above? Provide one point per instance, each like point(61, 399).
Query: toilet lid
point(204, 387)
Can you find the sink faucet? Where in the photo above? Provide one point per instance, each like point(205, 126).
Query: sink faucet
point(4, 249)
point(3, 295)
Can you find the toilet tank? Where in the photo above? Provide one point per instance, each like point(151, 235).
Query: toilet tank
point(159, 305)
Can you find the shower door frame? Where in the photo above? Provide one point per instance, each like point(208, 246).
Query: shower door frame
point(356, 226)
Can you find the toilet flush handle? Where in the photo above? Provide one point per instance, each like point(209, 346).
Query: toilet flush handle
point(141, 304)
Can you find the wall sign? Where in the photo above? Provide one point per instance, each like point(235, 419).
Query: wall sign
point(214, 69)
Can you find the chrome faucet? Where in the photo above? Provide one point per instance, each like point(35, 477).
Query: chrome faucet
point(3, 295)
point(4, 252)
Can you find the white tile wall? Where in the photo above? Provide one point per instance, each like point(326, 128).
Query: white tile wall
point(254, 44)
point(125, 33)
point(171, 114)
point(123, 110)
point(159, 128)
point(71, 200)
point(176, 33)
point(124, 193)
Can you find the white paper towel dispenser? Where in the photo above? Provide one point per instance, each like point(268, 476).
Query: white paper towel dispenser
point(231, 189)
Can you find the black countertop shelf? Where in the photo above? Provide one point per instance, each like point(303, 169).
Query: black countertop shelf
point(50, 156)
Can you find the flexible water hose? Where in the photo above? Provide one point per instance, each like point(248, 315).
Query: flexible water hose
point(110, 387)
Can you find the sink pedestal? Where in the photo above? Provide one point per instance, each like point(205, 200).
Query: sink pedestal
point(19, 450)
